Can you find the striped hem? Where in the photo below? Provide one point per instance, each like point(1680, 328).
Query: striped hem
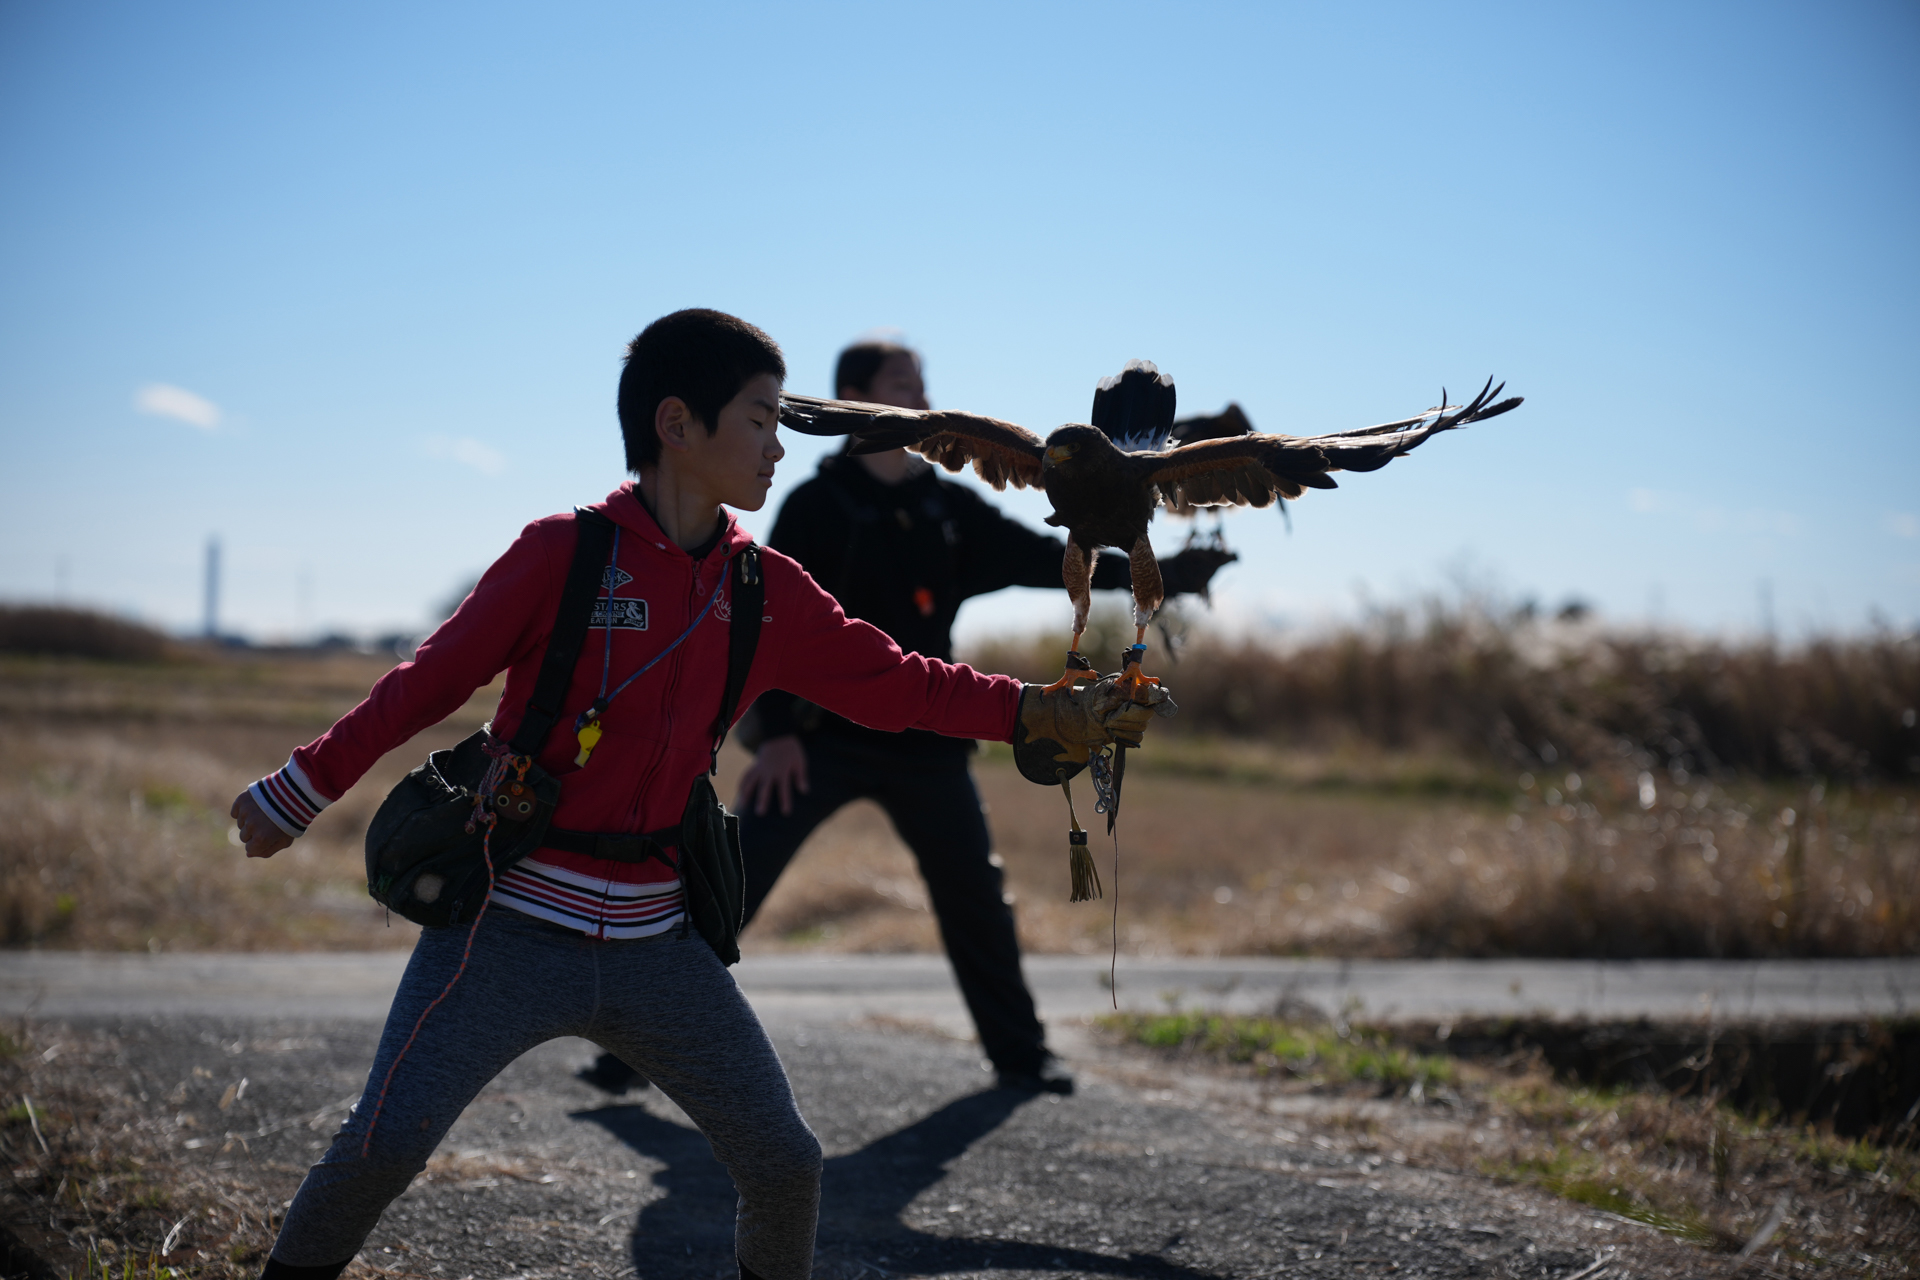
point(592, 905)
point(289, 799)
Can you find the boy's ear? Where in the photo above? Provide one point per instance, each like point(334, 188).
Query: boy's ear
point(672, 422)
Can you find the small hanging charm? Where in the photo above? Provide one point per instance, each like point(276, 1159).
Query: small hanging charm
point(589, 736)
point(514, 799)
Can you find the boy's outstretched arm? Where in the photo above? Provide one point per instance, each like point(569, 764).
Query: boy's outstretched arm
point(853, 669)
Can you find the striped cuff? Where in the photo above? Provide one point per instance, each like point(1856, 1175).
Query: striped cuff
point(289, 799)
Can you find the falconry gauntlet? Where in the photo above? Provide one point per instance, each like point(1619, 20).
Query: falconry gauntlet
point(1060, 730)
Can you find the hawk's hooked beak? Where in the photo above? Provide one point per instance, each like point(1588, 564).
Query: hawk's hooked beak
point(1059, 453)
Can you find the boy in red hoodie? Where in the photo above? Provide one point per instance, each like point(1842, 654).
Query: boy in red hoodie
point(577, 945)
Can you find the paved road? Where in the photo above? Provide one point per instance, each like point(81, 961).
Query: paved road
point(1146, 1172)
point(919, 987)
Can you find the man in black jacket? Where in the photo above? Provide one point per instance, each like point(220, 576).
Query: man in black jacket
point(902, 547)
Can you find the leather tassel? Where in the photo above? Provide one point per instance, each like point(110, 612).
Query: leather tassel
point(1080, 871)
point(1086, 879)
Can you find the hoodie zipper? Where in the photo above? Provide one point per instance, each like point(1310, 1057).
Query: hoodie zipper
point(675, 670)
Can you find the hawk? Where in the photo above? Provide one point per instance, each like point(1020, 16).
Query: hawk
point(1106, 478)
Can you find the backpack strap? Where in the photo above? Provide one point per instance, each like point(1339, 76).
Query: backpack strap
point(584, 578)
point(743, 637)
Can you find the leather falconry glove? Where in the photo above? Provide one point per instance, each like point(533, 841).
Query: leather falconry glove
point(1061, 730)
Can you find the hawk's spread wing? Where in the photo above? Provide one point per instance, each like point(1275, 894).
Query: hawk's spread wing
point(1230, 421)
point(1238, 471)
point(1234, 469)
point(1001, 453)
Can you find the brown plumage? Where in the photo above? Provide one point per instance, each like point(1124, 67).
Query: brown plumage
point(1106, 479)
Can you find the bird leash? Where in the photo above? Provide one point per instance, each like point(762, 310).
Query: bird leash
point(1107, 778)
point(1108, 768)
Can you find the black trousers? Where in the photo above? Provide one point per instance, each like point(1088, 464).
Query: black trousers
point(935, 807)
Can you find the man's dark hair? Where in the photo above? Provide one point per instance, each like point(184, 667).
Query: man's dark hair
point(860, 363)
point(702, 356)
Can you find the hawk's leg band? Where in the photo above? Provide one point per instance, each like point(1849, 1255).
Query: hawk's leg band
point(1077, 666)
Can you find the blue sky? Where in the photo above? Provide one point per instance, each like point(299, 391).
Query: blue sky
point(347, 285)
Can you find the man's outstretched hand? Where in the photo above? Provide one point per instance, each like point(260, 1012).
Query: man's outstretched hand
point(779, 768)
point(257, 831)
point(1190, 572)
point(1062, 729)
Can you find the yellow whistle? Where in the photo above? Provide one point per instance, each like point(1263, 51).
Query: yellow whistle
point(589, 736)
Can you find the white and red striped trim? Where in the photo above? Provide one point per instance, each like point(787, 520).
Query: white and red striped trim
point(593, 905)
point(289, 799)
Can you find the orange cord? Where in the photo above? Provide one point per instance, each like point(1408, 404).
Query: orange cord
point(1113, 961)
point(486, 852)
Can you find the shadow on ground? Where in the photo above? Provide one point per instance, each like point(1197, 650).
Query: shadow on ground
point(689, 1230)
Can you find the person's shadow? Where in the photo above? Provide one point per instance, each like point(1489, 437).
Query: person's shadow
point(689, 1230)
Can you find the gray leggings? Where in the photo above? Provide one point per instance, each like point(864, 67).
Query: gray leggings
point(664, 1004)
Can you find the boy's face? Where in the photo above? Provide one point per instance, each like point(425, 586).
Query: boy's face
point(735, 464)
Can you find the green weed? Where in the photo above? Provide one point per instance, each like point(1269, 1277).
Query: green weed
point(129, 1268)
point(1322, 1056)
point(1590, 1183)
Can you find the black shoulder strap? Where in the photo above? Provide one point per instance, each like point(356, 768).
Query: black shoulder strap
point(743, 637)
point(584, 579)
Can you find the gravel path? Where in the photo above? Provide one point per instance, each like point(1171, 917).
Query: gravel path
point(1144, 1173)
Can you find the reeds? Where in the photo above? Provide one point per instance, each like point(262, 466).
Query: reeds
point(1506, 684)
point(1624, 867)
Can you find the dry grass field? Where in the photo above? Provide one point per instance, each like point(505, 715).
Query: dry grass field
point(118, 775)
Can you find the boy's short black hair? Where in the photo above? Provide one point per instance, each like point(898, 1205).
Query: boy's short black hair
point(860, 363)
point(702, 356)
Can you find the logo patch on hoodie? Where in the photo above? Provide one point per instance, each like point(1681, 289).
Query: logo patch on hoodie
point(612, 578)
point(628, 615)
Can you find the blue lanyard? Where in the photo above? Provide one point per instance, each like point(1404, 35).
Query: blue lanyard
point(594, 712)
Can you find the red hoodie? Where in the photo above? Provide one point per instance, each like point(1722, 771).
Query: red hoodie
point(656, 734)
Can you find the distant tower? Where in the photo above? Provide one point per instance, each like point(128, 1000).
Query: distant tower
point(213, 588)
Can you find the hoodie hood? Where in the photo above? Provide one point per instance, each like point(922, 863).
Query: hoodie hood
point(626, 508)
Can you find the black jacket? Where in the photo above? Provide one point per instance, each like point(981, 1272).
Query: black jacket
point(904, 557)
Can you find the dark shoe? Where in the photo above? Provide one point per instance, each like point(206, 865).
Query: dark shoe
point(609, 1074)
point(1051, 1077)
